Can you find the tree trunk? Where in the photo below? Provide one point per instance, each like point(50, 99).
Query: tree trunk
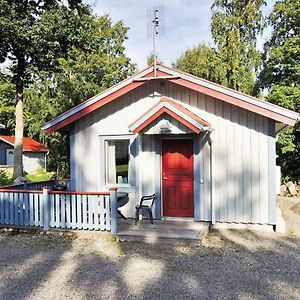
point(19, 129)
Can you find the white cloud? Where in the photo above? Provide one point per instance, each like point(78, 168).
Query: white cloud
point(187, 23)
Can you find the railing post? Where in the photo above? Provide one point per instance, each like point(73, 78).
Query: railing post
point(46, 207)
point(113, 209)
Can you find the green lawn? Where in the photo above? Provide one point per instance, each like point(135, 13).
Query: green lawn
point(39, 175)
point(122, 168)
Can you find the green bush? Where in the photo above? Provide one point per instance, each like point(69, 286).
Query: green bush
point(5, 179)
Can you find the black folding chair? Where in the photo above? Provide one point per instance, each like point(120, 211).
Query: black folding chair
point(145, 205)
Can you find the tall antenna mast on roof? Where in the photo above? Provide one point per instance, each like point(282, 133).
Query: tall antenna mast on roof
point(155, 33)
point(156, 27)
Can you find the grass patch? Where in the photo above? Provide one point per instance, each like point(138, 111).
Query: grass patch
point(6, 176)
point(40, 175)
point(122, 168)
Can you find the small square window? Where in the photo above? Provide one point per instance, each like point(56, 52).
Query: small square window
point(117, 161)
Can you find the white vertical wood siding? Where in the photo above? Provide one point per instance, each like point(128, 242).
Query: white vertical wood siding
point(240, 153)
point(33, 160)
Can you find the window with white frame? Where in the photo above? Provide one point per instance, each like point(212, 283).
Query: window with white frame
point(117, 161)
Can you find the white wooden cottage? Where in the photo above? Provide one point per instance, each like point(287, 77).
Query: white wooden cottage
point(207, 150)
point(34, 153)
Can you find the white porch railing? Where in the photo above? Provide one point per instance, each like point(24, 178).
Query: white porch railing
point(74, 210)
point(21, 208)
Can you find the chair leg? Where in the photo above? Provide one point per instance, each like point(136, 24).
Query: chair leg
point(137, 212)
point(151, 216)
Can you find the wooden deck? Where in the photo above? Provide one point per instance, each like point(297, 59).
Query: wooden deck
point(162, 231)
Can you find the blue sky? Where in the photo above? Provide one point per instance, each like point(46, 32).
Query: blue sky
point(186, 24)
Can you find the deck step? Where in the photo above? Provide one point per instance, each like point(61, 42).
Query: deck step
point(163, 231)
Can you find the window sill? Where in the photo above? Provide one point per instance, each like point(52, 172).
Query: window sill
point(122, 187)
point(118, 185)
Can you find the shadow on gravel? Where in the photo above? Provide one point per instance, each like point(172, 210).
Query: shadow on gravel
point(231, 264)
point(26, 260)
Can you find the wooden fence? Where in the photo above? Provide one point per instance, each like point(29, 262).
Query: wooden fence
point(21, 208)
point(50, 209)
point(38, 185)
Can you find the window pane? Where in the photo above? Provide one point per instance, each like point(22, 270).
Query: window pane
point(117, 161)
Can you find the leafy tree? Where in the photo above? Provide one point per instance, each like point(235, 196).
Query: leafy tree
point(235, 26)
point(7, 103)
point(203, 61)
point(150, 58)
point(95, 65)
point(73, 56)
point(27, 43)
point(281, 76)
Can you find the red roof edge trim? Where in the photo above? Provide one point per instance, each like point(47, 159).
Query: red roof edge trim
point(215, 90)
point(29, 144)
point(99, 94)
point(228, 89)
point(221, 86)
point(235, 101)
point(95, 106)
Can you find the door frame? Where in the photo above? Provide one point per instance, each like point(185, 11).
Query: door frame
point(158, 182)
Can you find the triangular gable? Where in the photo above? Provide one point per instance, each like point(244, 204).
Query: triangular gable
point(175, 110)
point(206, 87)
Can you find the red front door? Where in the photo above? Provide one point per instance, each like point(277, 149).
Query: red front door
point(178, 178)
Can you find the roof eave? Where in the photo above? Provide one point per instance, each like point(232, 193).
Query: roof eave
point(250, 103)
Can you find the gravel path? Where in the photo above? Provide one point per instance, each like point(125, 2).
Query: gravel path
point(229, 265)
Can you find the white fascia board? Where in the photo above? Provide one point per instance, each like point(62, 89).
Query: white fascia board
point(170, 107)
point(146, 116)
point(96, 98)
point(245, 98)
point(5, 141)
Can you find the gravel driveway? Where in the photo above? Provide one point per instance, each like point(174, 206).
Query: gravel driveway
point(229, 265)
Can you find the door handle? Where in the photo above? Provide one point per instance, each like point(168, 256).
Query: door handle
point(165, 178)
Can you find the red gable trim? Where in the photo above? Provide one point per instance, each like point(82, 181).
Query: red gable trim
point(184, 110)
point(94, 106)
point(234, 101)
point(173, 114)
point(28, 143)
